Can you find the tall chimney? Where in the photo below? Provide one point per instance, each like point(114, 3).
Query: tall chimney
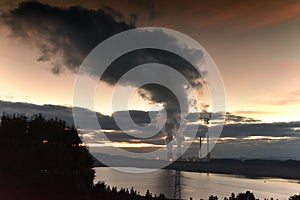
point(169, 146)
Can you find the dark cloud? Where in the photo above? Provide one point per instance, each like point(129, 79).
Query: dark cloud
point(138, 57)
point(49, 111)
point(238, 130)
point(154, 92)
point(234, 16)
point(233, 118)
point(238, 147)
point(64, 36)
point(148, 7)
point(262, 129)
point(254, 149)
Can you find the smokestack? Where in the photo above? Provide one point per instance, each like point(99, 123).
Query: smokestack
point(205, 116)
point(179, 140)
point(169, 146)
point(200, 156)
point(208, 153)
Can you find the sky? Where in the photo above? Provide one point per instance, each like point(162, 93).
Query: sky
point(242, 137)
point(255, 45)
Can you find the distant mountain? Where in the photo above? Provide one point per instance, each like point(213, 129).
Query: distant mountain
point(123, 161)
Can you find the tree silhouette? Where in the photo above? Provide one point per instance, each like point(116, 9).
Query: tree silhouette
point(213, 197)
point(295, 197)
point(45, 159)
point(44, 154)
point(245, 196)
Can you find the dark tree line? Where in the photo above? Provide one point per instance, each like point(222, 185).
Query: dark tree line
point(247, 196)
point(104, 192)
point(241, 196)
point(45, 159)
point(43, 156)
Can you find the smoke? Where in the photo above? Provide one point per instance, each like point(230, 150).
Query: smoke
point(176, 111)
point(65, 36)
point(154, 92)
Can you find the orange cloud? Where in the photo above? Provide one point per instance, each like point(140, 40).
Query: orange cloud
point(232, 15)
point(240, 15)
point(221, 14)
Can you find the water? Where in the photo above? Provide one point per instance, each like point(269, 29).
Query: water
point(198, 185)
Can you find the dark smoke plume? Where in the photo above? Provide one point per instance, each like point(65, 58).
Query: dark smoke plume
point(65, 36)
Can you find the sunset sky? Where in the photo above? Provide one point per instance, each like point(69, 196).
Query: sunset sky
point(255, 44)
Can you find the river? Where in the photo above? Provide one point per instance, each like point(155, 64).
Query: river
point(198, 185)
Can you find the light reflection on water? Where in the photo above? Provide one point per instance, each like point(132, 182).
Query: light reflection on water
point(198, 185)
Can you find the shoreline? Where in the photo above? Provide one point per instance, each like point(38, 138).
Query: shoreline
point(249, 168)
